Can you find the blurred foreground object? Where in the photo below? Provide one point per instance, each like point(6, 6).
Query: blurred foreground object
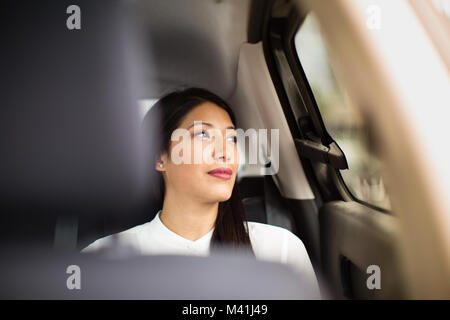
point(398, 79)
point(70, 139)
point(43, 275)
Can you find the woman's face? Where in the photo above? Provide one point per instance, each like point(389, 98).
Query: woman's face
point(193, 167)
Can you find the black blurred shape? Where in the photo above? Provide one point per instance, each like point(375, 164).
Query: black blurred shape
point(70, 141)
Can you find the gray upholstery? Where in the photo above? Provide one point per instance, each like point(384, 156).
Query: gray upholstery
point(69, 124)
point(109, 276)
point(265, 204)
point(354, 237)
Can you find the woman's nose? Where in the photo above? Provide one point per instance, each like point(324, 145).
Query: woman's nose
point(222, 151)
point(221, 155)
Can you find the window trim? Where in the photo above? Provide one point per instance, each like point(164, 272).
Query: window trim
point(284, 102)
point(322, 192)
point(333, 176)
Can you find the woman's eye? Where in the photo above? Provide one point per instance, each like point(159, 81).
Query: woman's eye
point(232, 139)
point(202, 134)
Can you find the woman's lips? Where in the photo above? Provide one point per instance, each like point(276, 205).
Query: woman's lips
point(221, 173)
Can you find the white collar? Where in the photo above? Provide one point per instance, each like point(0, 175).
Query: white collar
point(200, 245)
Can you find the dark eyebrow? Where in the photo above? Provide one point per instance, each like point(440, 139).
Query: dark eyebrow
point(200, 122)
point(207, 124)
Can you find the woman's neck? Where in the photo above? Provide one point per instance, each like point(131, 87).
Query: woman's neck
point(186, 217)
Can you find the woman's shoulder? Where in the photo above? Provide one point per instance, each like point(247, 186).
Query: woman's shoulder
point(269, 240)
point(278, 244)
point(274, 233)
point(266, 227)
point(126, 238)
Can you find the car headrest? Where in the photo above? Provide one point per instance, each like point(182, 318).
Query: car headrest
point(70, 136)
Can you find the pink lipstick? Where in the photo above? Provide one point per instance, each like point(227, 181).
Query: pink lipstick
point(221, 173)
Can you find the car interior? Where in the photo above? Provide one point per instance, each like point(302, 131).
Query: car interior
point(241, 50)
point(246, 51)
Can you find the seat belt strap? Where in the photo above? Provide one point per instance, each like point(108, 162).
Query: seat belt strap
point(277, 213)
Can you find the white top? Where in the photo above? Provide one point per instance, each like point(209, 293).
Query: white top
point(270, 243)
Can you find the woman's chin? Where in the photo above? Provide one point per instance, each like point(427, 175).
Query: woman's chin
point(224, 198)
point(219, 196)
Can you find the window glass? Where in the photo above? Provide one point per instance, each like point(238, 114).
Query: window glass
point(442, 7)
point(364, 176)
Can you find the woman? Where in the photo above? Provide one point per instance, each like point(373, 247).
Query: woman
point(201, 207)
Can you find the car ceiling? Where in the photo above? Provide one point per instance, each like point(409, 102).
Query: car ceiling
point(193, 43)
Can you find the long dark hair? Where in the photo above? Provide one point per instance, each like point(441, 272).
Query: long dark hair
point(231, 229)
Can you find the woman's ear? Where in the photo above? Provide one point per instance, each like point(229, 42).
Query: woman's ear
point(160, 163)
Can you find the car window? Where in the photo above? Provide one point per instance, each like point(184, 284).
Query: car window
point(442, 7)
point(364, 176)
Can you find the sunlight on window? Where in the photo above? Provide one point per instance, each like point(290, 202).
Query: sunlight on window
point(442, 6)
point(345, 126)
